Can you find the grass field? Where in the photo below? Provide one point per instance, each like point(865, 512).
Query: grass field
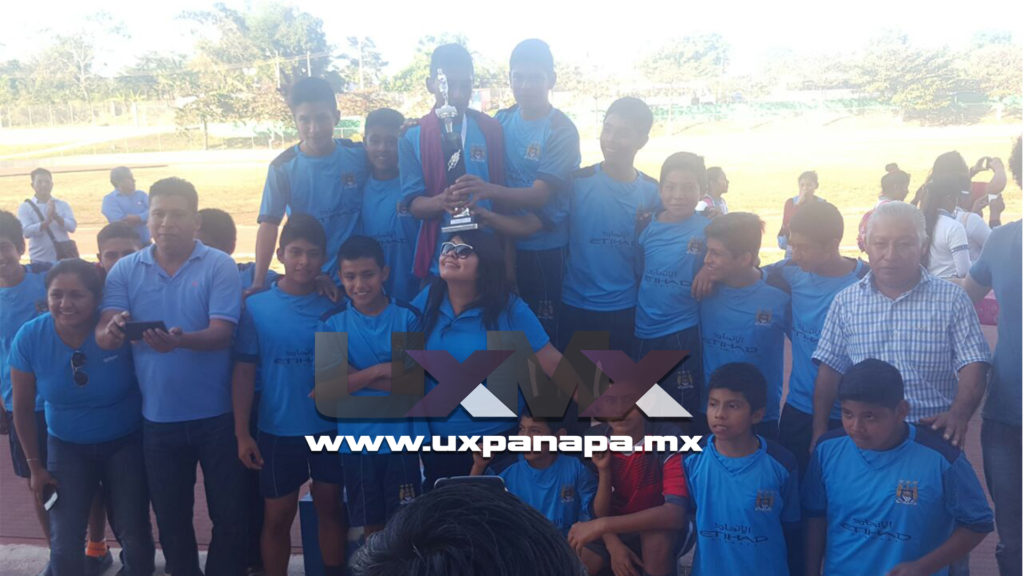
point(762, 165)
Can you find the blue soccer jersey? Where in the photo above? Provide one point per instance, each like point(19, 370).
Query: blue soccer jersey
point(246, 270)
point(743, 508)
point(601, 269)
point(388, 221)
point(884, 508)
point(369, 344)
point(278, 334)
point(811, 295)
point(466, 333)
point(19, 304)
point(546, 149)
point(106, 407)
point(747, 324)
point(671, 255)
point(563, 492)
point(327, 187)
point(410, 168)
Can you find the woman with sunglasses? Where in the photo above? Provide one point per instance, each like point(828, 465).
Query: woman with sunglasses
point(472, 296)
point(94, 419)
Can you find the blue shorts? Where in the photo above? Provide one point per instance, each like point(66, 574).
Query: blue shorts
point(288, 463)
point(21, 468)
point(376, 485)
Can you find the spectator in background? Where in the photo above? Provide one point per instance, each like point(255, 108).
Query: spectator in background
point(718, 185)
point(999, 267)
point(808, 182)
point(895, 187)
point(45, 220)
point(947, 255)
point(126, 204)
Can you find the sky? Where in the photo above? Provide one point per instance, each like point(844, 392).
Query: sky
point(611, 35)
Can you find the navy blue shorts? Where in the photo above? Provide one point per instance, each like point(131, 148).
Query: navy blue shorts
point(21, 468)
point(288, 463)
point(376, 485)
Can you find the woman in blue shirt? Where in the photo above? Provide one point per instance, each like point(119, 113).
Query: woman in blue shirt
point(94, 416)
point(471, 297)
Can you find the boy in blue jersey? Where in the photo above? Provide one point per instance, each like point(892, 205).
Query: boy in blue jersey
point(217, 230)
point(886, 497)
point(558, 486)
point(812, 278)
point(671, 251)
point(426, 188)
point(321, 175)
point(377, 483)
point(608, 203)
point(743, 487)
point(746, 318)
point(277, 334)
point(384, 217)
point(542, 150)
point(22, 298)
point(115, 241)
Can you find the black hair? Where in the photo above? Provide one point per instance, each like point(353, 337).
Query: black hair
point(38, 171)
point(687, 162)
point(357, 247)
point(743, 378)
point(385, 118)
point(304, 226)
point(895, 182)
point(217, 228)
point(819, 221)
point(872, 381)
point(532, 51)
point(117, 230)
point(311, 89)
point(739, 231)
point(714, 172)
point(10, 228)
point(938, 192)
point(492, 288)
point(89, 274)
point(448, 56)
point(808, 175)
point(465, 530)
point(635, 111)
point(563, 421)
point(1015, 161)
point(951, 162)
point(176, 188)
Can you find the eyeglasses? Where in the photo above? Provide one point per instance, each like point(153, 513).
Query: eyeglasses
point(77, 362)
point(460, 251)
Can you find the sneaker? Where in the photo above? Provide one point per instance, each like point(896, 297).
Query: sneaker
point(95, 566)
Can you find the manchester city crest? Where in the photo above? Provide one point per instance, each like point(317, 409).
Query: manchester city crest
point(906, 492)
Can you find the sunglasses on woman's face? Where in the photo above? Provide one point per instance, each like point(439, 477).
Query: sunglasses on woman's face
point(460, 251)
point(77, 372)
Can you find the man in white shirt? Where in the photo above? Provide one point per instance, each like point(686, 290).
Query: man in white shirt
point(45, 219)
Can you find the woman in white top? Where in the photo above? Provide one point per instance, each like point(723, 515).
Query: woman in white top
point(948, 255)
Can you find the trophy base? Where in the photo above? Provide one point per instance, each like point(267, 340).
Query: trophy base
point(460, 225)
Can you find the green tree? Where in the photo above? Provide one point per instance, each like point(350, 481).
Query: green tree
point(363, 65)
point(700, 57)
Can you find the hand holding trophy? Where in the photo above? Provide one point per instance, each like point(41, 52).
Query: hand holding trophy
point(451, 149)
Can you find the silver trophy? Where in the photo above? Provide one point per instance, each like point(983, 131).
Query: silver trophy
point(452, 152)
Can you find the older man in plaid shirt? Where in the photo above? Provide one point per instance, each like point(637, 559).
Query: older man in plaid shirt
point(899, 313)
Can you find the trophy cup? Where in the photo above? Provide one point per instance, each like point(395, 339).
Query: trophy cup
point(454, 157)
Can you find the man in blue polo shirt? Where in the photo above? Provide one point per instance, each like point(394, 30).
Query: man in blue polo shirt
point(608, 202)
point(184, 375)
point(746, 318)
point(884, 496)
point(126, 204)
point(321, 175)
point(812, 278)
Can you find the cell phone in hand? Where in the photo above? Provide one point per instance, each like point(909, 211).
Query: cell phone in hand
point(134, 330)
point(49, 496)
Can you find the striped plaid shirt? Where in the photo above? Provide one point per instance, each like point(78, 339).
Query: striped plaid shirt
point(928, 333)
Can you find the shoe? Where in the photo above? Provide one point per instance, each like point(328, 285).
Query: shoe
point(96, 566)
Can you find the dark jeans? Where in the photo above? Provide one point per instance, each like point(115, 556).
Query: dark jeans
point(618, 323)
point(172, 450)
point(795, 430)
point(253, 497)
point(683, 383)
point(539, 275)
point(1001, 454)
point(80, 469)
